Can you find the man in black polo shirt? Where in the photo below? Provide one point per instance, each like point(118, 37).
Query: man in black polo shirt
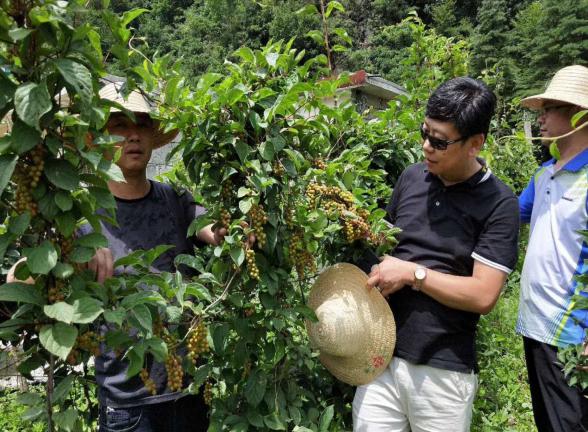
point(458, 244)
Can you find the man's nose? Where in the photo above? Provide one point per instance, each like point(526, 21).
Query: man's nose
point(133, 135)
point(427, 146)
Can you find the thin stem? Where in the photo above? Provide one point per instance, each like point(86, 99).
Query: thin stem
point(50, 388)
point(326, 36)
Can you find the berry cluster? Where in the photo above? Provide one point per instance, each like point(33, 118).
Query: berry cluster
point(227, 190)
point(290, 217)
point(258, 220)
point(197, 342)
point(55, 292)
point(148, 382)
point(90, 342)
point(319, 163)
point(251, 264)
point(340, 204)
point(356, 229)
point(225, 218)
point(208, 393)
point(175, 372)
point(27, 174)
point(278, 169)
point(66, 246)
point(302, 260)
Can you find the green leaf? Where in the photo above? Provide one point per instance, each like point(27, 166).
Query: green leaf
point(255, 387)
point(136, 357)
point(7, 164)
point(143, 316)
point(62, 174)
point(334, 5)
point(274, 422)
point(238, 255)
point(19, 224)
point(77, 76)
point(42, 258)
point(62, 270)
point(66, 420)
point(326, 418)
point(220, 333)
point(62, 389)
point(245, 205)
point(21, 292)
point(86, 310)
point(60, 311)
point(131, 15)
point(23, 137)
point(92, 240)
point(309, 9)
point(81, 254)
point(33, 413)
point(31, 101)
point(242, 150)
point(66, 223)
point(103, 197)
point(19, 34)
point(316, 36)
point(63, 200)
point(115, 316)
point(6, 91)
point(58, 338)
point(159, 349)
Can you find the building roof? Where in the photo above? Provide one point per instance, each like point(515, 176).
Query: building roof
point(374, 84)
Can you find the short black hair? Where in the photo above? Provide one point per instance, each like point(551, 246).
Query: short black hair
point(466, 102)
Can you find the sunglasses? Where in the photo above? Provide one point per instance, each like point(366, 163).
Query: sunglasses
point(436, 143)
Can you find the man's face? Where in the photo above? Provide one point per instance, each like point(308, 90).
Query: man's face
point(449, 162)
point(138, 141)
point(555, 119)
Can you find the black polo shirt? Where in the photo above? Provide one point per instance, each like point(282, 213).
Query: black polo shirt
point(446, 228)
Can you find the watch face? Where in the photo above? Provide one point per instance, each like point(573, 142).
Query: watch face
point(420, 273)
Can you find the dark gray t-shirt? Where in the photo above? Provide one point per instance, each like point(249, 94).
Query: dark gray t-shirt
point(161, 217)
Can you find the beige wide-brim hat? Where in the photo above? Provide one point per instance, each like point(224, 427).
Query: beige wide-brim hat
point(355, 332)
point(136, 102)
point(569, 85)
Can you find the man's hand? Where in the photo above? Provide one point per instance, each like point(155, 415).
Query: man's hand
point(218, 235)
point(102, 264)
point(391, 275)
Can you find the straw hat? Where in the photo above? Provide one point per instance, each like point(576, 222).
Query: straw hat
point(137, 103)
point(569, 85)
point(355, 332)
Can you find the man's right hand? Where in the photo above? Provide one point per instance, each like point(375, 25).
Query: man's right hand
point(102, 264)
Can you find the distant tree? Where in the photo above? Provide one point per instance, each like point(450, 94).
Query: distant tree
point(490, 35)
point(562, 41)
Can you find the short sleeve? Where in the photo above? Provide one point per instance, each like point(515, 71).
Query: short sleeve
point(526, 201)
point(392, 207)
point(497, 245)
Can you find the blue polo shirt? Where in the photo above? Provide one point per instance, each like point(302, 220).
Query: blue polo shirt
point(555, 203)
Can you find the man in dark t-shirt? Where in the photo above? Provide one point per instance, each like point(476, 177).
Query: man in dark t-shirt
point(458, 244)
point(148, 214)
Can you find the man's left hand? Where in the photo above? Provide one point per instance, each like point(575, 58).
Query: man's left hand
point(391, 275)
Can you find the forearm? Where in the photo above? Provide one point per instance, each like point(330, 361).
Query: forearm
point(470, 294)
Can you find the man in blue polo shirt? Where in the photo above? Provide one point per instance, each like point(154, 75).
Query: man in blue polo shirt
point(458, 244)
point(555, 204)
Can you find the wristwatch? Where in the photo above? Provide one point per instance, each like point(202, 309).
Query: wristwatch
point(420, 273)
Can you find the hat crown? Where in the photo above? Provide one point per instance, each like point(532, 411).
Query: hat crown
point(568, 85)
point(339, 327)
point(134, 101)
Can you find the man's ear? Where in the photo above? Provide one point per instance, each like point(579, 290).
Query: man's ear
point(476, 143)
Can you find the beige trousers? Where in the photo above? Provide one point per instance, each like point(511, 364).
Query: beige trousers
point(416, 398)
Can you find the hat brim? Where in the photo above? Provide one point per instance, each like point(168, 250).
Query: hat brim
point(538, 101)
point(374, 351)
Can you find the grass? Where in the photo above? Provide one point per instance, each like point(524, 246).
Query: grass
point(503, 402)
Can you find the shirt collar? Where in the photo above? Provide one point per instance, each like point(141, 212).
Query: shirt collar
point(575, 165)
